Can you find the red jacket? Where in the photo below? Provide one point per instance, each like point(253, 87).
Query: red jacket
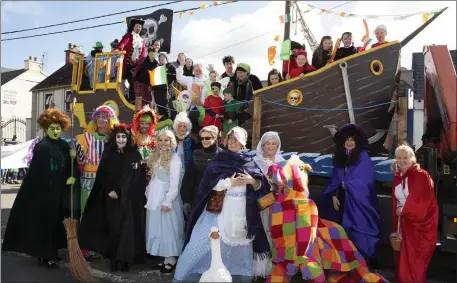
point(295, 72)
point(126, 44)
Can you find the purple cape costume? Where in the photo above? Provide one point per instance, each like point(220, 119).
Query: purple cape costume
point(361, 218)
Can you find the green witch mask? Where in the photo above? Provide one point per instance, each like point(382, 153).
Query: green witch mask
point(54, 131)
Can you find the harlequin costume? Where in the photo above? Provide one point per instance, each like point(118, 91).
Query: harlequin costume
point(214, 105)
point(304, 242)
point(89, 149)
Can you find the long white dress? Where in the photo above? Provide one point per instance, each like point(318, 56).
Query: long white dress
point(165, 230)
point(236, 249)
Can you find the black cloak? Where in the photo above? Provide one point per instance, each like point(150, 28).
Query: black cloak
point(116, 228)
point(35, 225)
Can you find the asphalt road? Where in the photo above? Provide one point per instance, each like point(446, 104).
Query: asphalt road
point(21, 268)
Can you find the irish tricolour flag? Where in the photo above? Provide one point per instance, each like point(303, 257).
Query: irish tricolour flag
point(158, 76)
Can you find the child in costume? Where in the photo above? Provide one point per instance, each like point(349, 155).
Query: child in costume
point(231, 111)
point(214, 108)
point(90, 145)
point(304, 242)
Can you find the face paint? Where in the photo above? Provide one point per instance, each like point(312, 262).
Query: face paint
point(145, 123)
point(54, 131)
point(121, 140)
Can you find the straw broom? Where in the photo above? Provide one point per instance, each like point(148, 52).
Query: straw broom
point(78, 266)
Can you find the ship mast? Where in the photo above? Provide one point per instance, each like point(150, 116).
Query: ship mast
point(309, 37)
point(287, 25)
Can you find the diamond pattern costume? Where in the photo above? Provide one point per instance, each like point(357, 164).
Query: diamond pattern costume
point(302, 241)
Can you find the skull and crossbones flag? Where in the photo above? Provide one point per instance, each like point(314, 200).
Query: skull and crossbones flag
point(157, 25)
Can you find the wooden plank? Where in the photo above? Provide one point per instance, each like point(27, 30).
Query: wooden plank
point(402, 122)
point(256, 120)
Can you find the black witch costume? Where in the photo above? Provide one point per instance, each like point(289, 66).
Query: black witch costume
point(116, 228)
point(35, 225)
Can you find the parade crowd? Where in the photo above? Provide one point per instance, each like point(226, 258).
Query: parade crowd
point(174, 193)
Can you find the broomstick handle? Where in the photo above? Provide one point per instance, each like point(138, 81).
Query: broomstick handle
point(72, 158)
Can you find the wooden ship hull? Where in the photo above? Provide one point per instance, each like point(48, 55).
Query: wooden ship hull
point(356, 83)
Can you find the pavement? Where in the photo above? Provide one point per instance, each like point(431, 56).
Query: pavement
point(22, 268)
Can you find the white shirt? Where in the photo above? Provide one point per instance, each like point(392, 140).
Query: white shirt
point(401, 193)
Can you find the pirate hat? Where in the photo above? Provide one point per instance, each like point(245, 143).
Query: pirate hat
point(134, 21)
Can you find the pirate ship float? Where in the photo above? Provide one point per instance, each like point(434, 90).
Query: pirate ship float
point(362, 88)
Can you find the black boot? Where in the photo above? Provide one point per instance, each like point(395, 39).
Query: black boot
point(113, 265)
point(124, 266)
point(47, 263)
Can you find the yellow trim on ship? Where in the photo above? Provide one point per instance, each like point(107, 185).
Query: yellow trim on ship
point(328, 66)
point(77, 77)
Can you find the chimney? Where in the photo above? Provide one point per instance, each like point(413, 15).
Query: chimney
point(72, 50)
point(32, 65)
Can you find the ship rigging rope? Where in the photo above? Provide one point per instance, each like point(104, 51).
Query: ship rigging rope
point(91, 18)
point(249, 102)
point(103, 25)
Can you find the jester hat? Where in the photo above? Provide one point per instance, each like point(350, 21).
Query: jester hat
point(145, 114)
point(292, 175)
point(106, 110)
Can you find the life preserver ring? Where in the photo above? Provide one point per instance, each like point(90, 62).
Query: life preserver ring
point(376, 67)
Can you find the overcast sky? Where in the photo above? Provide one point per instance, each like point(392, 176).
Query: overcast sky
point(206, 34)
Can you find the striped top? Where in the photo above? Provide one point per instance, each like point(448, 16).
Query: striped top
point(89, 148)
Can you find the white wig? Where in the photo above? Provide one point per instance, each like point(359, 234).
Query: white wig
point(182, 118)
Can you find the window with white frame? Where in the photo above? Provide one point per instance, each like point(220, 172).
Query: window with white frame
point(48, 101)
point(67, 100)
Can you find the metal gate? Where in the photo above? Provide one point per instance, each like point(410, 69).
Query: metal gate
point(15, 129)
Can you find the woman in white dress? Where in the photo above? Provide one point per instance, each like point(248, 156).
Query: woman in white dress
point(243, 241)
point(164, 218)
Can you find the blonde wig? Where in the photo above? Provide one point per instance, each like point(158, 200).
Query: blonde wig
point(212, 130)
point(409, 152)
point(164, 157)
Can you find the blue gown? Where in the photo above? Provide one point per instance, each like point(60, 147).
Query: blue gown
point(361, 217)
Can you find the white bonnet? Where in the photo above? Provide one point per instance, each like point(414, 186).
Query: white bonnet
point(381, 27)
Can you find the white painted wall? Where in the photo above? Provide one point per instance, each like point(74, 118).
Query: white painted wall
point(58, 98)
point(18, 95)
point(419, 120)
